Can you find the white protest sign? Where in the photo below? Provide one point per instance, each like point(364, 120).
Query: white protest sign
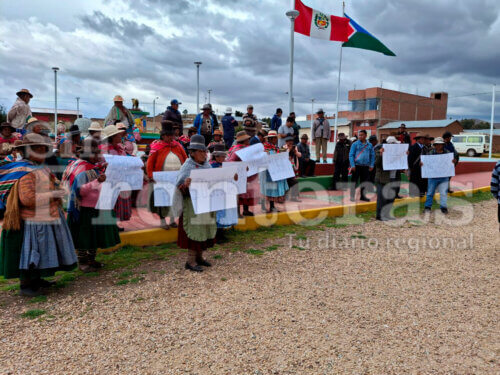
point(242, 174)
point(164, 188)
point(280, 167)
point(436, 166)
point(108, 195)
point(126, 171)
point(213, 189)
point(394, 157)
point(255, 156)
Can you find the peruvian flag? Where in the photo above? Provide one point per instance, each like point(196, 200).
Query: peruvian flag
point(313, 23)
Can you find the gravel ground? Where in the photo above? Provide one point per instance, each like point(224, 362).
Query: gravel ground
point(388, 310)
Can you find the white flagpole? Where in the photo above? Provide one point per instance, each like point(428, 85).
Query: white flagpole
point(492, 119)
point(338, 92)
point(292, 14)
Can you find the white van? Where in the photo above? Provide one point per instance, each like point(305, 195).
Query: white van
point(471, 144)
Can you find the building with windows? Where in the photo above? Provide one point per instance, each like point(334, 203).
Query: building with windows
point(435, 128)
point(374, 107)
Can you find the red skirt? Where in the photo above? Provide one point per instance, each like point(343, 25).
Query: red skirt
point(252, 196)
point(184, 242)
point(123, 208)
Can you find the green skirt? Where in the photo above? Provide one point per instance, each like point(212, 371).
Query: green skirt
point(11, 243)
point(96, 229)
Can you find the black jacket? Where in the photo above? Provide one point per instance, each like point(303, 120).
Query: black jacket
point(414, 156)
point(171, 118)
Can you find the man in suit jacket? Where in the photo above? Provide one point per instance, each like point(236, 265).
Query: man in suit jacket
point(418, 185)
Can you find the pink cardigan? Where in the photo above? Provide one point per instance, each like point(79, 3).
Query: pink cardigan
point(90, 193)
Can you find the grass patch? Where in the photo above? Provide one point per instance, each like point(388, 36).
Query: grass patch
point(272, 248)
point(38, 299)
point(10, 288)
point(255, 252)
point(135, 280)
point(125, 275)
point(298, 247)
point(122, 282)
point(223, 279)
point(32, 314)
point(217, 256)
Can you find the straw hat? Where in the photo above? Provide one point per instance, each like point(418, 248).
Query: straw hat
point(33, 139)
point(118, 98)
point(428, 136)
point(24, 91)
point(34, 121)
point(110, 131)
point(242, 136)
point(95, 126)
point(419, 135)
point(217, 132)
point(272, 134)
point(121, 126)
point(439, 141)
point(197, 143)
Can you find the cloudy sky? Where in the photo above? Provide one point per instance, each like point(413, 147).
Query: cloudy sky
point(146, 48)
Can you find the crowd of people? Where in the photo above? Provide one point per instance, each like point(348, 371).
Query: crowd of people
point(38, 238)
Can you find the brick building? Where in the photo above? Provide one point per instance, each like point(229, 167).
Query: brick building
point(68, 116)
point(374, 107)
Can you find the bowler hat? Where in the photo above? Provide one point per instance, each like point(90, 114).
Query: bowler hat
point(24, 91)
point(320, 110)
point(206, 106)
point(197, 143)
point(219, 150)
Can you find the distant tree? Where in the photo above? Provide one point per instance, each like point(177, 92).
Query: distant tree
point(267, 120)
point(467, 123)
point(185, 112)
point(481, 125)
point(3, 114)
point(238, 114)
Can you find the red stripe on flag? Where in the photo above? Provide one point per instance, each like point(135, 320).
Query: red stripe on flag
point(303, 21)
point(340, 29)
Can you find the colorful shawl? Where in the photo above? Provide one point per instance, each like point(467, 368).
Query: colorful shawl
point(159, 144)
point(233, 150)
point(270, 147)
point(77, 173)
point(10, 173)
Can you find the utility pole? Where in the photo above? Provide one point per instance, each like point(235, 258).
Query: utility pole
point(492, 119)
point(292, 15)
point(154, 112)
point(77, 107)
point(209, 92)
point(55, 69)
point(312, 113)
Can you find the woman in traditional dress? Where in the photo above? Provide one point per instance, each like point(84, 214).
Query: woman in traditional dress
point(166, 155)
point(294, 155)
point(112, 145)
point(36, 241)
point(216, 140)
point(91, 229)
point(196, 232)
point(251, 197)
point(274, 191)
point(228, 217)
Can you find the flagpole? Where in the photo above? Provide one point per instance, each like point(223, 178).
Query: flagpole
point(292, 15)
point(338, 92)
point(492, 123)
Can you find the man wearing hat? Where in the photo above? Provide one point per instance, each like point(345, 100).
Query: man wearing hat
point(387, 183)
point(20, 112)
point(418, 185)
point(204, 123)
point(229, 124)
point(403, 135)
point(427, 144)
point(439, 183)
point(320, 133)
point(306, 165)
point(341, 161)
point(252, 117)
point(172, 116)
point(118, 113)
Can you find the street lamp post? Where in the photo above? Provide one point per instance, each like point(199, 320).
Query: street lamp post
point(312, 112)
point(154, 112)
point(197, 63)
point(55, 69)
point(77, 107)
point(292, 14)
point(209, 92)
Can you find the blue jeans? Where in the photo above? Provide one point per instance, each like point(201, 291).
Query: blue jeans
point(441, 184)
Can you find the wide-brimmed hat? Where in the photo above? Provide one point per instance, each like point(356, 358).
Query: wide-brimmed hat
point(242, 136)
point(206, 106)
point(262, 132)
point(304, 136)
point(249, 106)
point(34, 121)
point(272, 134)
point(95, 126)
point(217, 132)
point(33, 139)
point(289, 138)
point(197, 143)
point(341, 135)
point(320, 111)
point(118, 98)
point(7, 125)
point(110, 131)
point(392, 140)
point(192, 129)
point(428, 136)
point(73, 130)
point(419, 135)
point(439, 141)
point(229, 110)
point(219, 150)
point(24, 91)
